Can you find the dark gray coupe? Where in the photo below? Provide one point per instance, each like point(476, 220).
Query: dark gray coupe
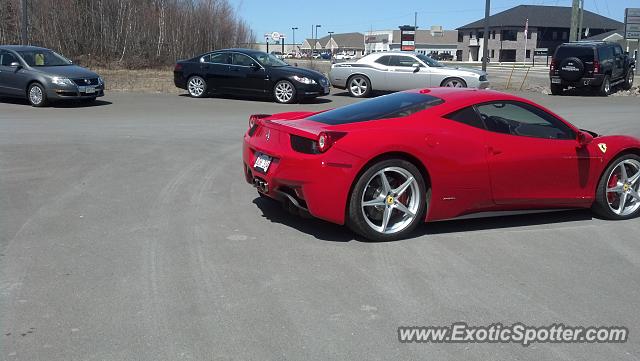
point(41, 75)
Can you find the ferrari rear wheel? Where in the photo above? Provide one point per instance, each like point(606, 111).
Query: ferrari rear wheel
point(618, 196)
point(388, 201)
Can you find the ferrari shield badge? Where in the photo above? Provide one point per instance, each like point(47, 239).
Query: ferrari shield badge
point(603, 147)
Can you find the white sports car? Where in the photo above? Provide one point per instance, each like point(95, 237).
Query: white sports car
point(396, 71)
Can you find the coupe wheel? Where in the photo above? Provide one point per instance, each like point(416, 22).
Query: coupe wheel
point(617, 196)
point(359, 86)
point(388, 201)
point(284, 92)
point(605, 87)
point(36, 95)
point(454, 83)
point(628, 83)
point(197, 87)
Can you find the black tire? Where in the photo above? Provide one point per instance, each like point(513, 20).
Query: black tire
point(370, 184)
point(359, 86)
point(605, 88)
point(601, 205)
point(36, 95)
point(556, 89)
point(454, 83)
point(628, 80)
point(284, 92)
point(197, 87)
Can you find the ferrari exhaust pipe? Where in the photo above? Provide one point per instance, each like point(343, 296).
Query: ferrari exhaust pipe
point(261, 185)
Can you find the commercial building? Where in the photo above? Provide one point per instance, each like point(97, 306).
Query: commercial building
point(432, 41)
point(548, 27)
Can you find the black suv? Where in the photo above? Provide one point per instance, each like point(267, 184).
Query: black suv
point(601, 65)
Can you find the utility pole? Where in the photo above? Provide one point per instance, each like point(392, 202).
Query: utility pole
point(575, 8)
point(25, 18)
point(294, 40)
point(415, 21)
point(580, 33)
point(485, 51)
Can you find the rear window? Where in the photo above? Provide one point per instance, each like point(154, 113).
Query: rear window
point(389, 106)
point(581, 52)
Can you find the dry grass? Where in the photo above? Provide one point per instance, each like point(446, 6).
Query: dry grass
point(146, 80)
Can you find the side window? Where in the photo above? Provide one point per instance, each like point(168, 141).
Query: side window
point(406, 61)
point(522, 119)
point(467, 116)
point(220, 58)
point(617, 50)
point(6, 58)
point(384, 60)
point(242, 60)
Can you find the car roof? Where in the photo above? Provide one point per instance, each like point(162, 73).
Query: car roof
point(588, 43)
point(240, 50)
point(461, 96)
point(21, 47)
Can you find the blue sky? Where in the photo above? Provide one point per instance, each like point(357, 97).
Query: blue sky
point(349, 15)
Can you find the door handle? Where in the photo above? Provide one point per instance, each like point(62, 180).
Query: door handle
point(494, 151)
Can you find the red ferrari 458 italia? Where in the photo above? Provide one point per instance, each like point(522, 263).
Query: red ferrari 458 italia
point(384, 165)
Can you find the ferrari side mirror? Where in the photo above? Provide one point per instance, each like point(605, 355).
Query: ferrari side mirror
point(584, 139)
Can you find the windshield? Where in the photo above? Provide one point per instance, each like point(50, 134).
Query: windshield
point(395, 105)
point(269, 60)
point(43, 58)
point(427, 60)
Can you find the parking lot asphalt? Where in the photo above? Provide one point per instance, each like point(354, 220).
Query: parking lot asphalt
point(127, 232)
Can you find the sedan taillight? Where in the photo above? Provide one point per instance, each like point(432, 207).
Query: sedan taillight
point(178, 67)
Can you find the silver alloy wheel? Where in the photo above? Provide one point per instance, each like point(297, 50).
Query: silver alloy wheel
point(454, 83)
point(284, 92)
point(390, 210)
point(35, 95)
point(358, 86)
point(622, 187)
point(630, 78)
point(196, 86)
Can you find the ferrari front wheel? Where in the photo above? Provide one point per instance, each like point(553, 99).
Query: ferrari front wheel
point(388, 201)
point(617, 195)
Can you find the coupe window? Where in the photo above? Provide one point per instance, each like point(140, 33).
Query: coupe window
point(467, 116)
point(269, 60)
point(37, 58)
point(521, 119)
point(384, 60)
point(403, 61)
point(429, 61)
point(389, 106)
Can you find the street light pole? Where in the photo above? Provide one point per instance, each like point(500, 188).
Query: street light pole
point(25, 18)
point(485, 39)
point(294, 39)
point(317, 26)
point(331, 41)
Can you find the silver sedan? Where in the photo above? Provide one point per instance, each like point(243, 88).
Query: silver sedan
point(396, 71)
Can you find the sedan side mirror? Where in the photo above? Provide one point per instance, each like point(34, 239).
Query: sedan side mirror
point(416, 67)
point(15, 64)
point(584, 139)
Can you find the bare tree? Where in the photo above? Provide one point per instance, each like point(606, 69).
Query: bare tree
point(132, 33)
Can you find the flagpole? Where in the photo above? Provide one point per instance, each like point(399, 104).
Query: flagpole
point(526, 36)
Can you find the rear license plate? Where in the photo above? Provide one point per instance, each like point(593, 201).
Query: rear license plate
point(556, 80)
point(262, 163)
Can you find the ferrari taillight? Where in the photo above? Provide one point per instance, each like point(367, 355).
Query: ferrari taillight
point(327, 139)
point(254, 122)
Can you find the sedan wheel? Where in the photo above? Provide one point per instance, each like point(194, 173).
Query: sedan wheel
point(359, 86)
point(197, 87)
point(618, 195)
point(284, 92)
point(388, 201)
point(454, 83)
point(36, 95)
